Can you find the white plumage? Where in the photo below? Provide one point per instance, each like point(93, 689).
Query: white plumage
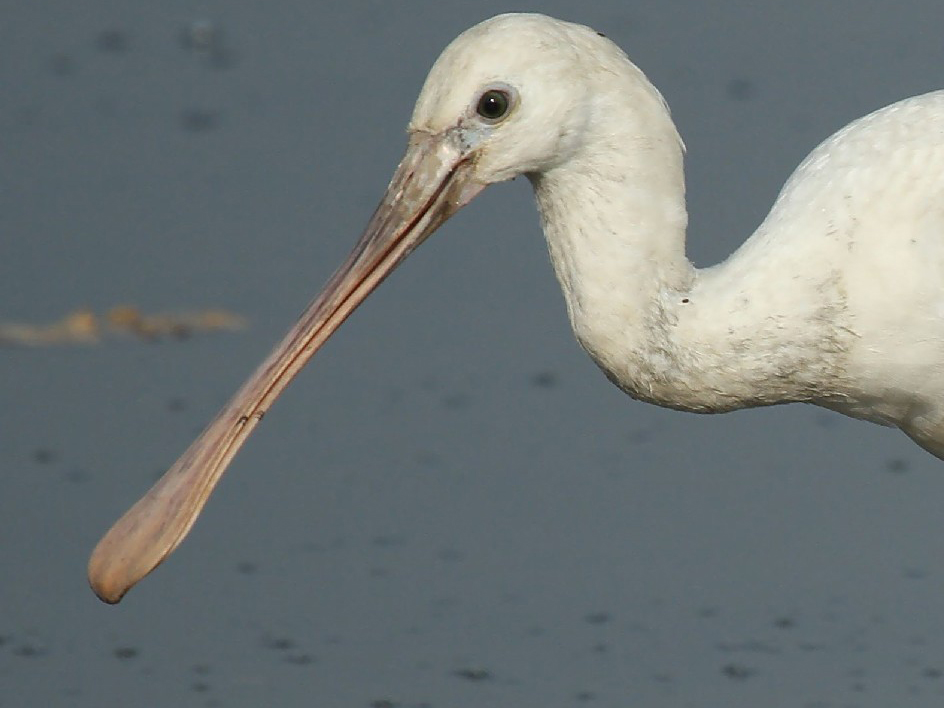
point(835, 300)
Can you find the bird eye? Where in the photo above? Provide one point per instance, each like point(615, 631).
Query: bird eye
point(494, 105)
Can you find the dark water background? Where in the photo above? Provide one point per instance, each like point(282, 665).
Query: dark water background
point(451, 506)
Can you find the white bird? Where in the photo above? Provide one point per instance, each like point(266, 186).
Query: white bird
point(837, 299)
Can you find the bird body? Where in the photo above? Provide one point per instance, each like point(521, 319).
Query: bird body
point(835, 300)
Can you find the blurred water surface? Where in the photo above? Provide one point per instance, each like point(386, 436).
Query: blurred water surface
point(450, 507)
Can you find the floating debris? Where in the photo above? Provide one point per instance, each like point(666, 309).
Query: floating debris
point(80, 327)
point(178, 325)
point(85, 327)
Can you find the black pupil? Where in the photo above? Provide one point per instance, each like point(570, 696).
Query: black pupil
point(493, 104)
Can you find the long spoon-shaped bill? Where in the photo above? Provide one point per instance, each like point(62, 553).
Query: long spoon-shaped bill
point(433, 181)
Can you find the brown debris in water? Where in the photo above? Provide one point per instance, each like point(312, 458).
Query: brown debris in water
point(85, 327)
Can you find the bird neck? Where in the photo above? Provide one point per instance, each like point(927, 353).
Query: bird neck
point(699, 340)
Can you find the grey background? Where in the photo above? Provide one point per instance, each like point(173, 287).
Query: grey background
point(451, 506)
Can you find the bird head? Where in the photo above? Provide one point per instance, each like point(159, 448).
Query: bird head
point(511, 95)
point(508, 97)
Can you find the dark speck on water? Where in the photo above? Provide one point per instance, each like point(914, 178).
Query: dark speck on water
point(29, 650)
point(597, 618)
point(246, 567)
point(112, 41)
point(177, 404)
point(544, 379)
point(897, 466)
point(196, 120)
point(473, 674)
point(125, 652)
point(278, 643)
point(44, 456)
point(737, 672)
point(388, 541)
point(740, 89)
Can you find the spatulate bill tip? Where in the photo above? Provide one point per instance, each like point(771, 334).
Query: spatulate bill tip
point(108, 598)
point(105, 587)
point(109, 572)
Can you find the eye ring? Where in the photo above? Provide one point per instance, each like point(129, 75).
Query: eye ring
point(495, 103)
